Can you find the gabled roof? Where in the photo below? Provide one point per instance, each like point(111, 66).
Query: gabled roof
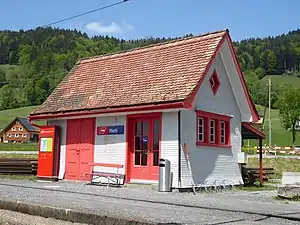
point(162, 75)
point(25, 124)
point(252, 131)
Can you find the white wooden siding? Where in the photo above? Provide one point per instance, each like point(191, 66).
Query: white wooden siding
point(110, 148)
point(212, 163)
point(169, 143)
point(63, 145)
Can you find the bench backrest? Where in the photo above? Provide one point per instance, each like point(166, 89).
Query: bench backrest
point(111, 165)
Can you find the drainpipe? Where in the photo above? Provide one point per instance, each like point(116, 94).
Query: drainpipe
point(35, 125)
point(179, 150)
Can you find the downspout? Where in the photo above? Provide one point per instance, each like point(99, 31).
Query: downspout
point(29, 121)
point(179, 150)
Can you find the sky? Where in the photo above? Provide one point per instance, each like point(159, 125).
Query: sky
point(156, 18)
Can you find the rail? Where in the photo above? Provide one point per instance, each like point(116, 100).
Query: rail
point(18, 166)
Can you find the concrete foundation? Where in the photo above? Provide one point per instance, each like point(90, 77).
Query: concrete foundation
point(290, 185)
point(64, 214)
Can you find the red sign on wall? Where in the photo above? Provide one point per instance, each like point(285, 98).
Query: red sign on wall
point(110, 130)
point(102, 130)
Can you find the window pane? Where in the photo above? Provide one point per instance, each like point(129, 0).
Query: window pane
point(223, 140)
point(212, 131)
point(137, 158)
point(138, 128)
point(145, 128)
point(137, 143)
point(144, 143)
point(144, 158)
point(155, 158)
point(200, 121)
point(200, 137)
point(156, 135)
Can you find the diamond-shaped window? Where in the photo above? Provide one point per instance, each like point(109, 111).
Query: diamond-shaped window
point(214, 82)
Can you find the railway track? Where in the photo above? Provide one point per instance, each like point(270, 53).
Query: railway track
point(18, 166)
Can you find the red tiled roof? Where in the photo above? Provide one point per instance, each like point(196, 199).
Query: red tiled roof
point(162, 73)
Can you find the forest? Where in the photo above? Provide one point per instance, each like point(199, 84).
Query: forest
point(39, 59)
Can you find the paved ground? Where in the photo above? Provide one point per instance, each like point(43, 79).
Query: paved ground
point(13, 218)
point(146, 204)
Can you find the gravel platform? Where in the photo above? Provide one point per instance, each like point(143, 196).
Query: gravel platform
point(146, 204)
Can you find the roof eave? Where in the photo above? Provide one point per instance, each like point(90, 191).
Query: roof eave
point(163, 106)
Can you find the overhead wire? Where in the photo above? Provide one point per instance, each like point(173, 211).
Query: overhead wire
point(85, 13)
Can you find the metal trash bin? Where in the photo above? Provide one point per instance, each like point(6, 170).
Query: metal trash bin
point(164, 182)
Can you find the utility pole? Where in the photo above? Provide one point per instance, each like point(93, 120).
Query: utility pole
point(270, 123)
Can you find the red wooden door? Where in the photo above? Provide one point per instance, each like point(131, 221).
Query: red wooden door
point(144, 139)
point(80, 146)
point(86, 147)
point(72, 151)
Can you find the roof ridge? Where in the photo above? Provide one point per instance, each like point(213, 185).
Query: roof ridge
point(148, 47)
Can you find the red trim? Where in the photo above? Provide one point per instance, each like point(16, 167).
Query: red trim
point(129, 135)
point(188, 102)
point(111, 165)
point(254, 113)
point(213, 145)
point(214, 80)
point(109, 110)
point(127, 154)
point(191, 98)
point(35, 125)
point(254, 130)
point(207, 116)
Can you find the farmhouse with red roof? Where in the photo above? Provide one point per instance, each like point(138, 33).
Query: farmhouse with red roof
point(133, 108)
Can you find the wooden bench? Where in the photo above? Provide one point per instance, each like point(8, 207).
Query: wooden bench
point(113, 178)
point(250, 175)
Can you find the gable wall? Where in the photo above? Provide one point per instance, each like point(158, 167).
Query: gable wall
point(214, 163)
point(15, 129)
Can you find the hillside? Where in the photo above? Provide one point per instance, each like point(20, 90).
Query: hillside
point(283, 81)
point(45, 55)
point(280, 137)
point(7, 115)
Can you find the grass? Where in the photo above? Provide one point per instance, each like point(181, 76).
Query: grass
point(6, 67)
point(6, 116)
point(280, 136)
point(18, 147)
point(282, 80)
point(17, 177)
point(9, 156)
point(279, 164)
point(257, 188)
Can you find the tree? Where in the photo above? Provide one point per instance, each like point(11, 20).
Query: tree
point(289, 110)
point(2, 76)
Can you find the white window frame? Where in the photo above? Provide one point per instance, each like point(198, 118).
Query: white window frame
point(24, 135)
point(9, 135)
point(212, 134)
point(222, 129)
point(202, 128)
point(16, 135)
point(20, 128)
point(13, 129)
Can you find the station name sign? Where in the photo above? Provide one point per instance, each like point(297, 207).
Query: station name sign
point(110, 130)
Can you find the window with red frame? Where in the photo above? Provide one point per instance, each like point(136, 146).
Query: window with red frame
point(212, 129)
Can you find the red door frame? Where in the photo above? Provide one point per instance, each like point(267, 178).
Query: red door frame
point(130, 119)
point(92, 141)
